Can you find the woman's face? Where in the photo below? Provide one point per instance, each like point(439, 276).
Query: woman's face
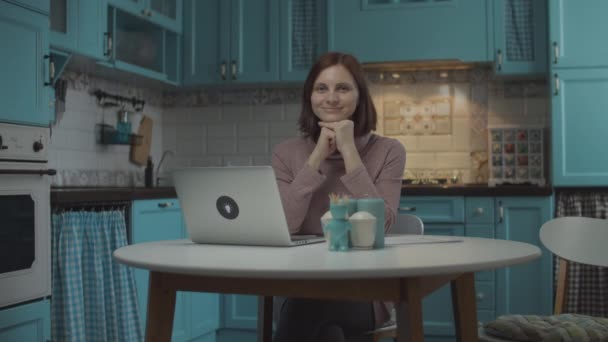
point(334, 94)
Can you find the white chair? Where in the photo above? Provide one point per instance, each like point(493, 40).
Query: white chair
point(404, 224)
point(579, 239)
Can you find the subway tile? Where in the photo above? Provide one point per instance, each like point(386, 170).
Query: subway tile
point(223, 130)
point(267, 112)
point(236, 161)
point(252, 145)
point(251, 130)
point(292, 111)
point(221, 146)
point(236, 113)
point(206, 161)
point(169, 137)
point(189, 148)
point(420, 160)
point(205, 114)
point(284, 129)
point(261, 160)
point(189, 132)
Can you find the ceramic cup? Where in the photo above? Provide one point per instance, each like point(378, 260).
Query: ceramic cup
point(324, 220)
point(363, 232)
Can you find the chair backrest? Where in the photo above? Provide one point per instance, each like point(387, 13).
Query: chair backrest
point(408, 224)
point(579, 239)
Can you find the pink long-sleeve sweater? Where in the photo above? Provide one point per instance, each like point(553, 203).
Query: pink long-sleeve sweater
point(304, 191)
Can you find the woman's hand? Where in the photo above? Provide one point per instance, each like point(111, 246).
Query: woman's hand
point(345, 142)
point(326, 145)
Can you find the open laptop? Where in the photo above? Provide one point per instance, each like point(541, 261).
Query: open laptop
point(234, 205)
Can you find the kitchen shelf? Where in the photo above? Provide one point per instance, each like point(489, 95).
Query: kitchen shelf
point(108, 135)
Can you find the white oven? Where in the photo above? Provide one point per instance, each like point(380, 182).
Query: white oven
point(25, 228)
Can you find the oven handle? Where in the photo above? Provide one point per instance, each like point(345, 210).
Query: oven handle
point(48, 172)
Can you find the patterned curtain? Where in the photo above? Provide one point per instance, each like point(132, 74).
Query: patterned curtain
point(93, 297)
point(587, 285)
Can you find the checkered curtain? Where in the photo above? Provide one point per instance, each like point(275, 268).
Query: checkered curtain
point(519, 30)
point(304, 33)
point(94, 299)
point(587, 285)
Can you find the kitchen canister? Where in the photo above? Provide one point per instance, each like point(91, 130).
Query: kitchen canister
point(374, 206)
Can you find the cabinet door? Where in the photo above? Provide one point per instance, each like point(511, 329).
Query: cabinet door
point(167, 13)
point(41, 6)
point(240, 311)
point(381, 30)
point(206, 42)
point(154, 220)
point(24, 36)
point(576, 33)
point(520, 36)
point(303, 31)
point(579, 115)
point(63, 24)
point(29, 322)
point(92, 40)
point(254, 41)
point(525, 288)
point(437, 313)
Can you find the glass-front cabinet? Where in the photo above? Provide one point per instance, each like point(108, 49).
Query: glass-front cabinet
point(166, 13)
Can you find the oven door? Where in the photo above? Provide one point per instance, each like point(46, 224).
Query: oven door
point(25, 258)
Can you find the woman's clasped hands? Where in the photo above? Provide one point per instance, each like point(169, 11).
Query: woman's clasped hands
point(336, 136)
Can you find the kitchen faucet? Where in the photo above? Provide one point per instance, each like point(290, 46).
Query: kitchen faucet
point(160, 164)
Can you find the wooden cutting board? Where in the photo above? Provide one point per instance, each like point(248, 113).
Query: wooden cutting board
point(140, 153)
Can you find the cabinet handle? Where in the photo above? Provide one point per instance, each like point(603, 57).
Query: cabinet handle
point(108, 51)
point(555, 52)
point(223, 70)
point(234, 70)
point(51, 70)
point(557, 84)
point(407, 208)
point(501, 212)
point(499, 59)
point(165, 204)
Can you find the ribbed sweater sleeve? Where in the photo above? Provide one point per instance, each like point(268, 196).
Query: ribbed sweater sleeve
point(296, 190)
point(387, 185)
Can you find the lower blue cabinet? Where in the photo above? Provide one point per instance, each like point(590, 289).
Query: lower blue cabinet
point(196, 314)
point(29, 322)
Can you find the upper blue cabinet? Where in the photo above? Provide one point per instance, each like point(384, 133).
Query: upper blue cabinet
point(166, 13)
point(303, 34)
point(26, 69)
point(230, 41)
point(41, 6)
point(520, 36)
point(575, 33)
point(404, 30)
point(81, 26)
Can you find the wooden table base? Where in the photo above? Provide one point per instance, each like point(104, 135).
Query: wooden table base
point(407, 293)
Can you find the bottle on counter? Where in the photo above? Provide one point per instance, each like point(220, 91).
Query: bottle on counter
point(149, 173)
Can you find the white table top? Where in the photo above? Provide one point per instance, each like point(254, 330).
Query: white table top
point(316, 262)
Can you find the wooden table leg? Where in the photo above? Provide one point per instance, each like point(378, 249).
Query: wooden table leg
point(161, 308)
point(409, 312)
point(265, 318)
point(465, 308)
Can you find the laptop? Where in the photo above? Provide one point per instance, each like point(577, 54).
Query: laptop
point(235, 205)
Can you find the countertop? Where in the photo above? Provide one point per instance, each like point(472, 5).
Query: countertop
point(73, 195)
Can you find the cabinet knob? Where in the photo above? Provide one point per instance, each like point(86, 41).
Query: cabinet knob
point(480, 296)
point(479, 211)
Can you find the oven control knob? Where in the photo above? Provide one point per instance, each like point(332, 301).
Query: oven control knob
point(38, 146)
point(2, 147)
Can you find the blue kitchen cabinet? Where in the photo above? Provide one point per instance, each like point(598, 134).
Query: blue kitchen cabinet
point(41, 6)
point(80, 26)
point(196, 314)
point(165, 13)
point(525, 288)
point(520, 37)
point(142, 47)
point(28, 322)
point(303, 36)
point(579, 124)
point(383, 31)
point(576, 33)
point(234, 41)
point(25, 84)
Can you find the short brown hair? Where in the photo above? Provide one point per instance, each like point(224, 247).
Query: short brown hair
point(365, 115)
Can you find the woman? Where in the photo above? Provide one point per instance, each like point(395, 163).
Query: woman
point(337, 153)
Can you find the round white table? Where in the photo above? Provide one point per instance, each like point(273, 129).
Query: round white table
point(402, 272)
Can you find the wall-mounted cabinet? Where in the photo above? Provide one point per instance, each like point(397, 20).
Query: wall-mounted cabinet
point(41, 6)
point(303, 36)
point(382, 31)
point(520, 37)
point(228, 42)
point(29, 322)
point(141, 47)
point(25, 85)
point(165, 13)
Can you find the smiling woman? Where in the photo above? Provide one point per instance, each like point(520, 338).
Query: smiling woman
point(336, 154)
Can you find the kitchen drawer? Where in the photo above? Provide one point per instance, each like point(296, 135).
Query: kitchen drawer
point(164, 204)
point(479, 209)
point(484, 294)
point(434, 209)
